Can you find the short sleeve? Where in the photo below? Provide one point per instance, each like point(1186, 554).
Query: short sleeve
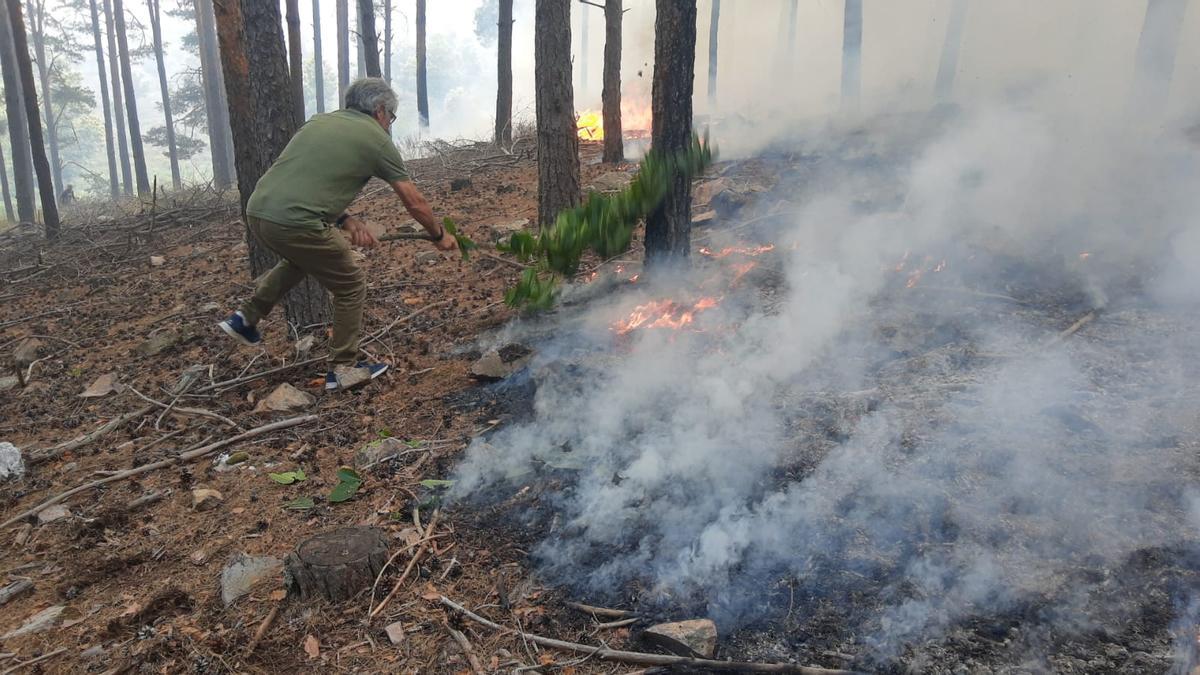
point(390, 166)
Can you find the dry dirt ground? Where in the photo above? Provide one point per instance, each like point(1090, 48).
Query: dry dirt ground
point(140, 585)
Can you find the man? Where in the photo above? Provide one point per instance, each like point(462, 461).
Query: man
point(298, 210)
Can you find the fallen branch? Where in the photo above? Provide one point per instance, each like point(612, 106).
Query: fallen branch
point(198, 412)
point(386, 565)
point(602, 611)
point(411, 564)
point(146, 468)
point(39, 456)
point(643, 658)
point(620, 623)
point(30, 662)
point(263, 628)
point(465, 644)
point(15, 590)
point(1083, 321)
point(145, 500)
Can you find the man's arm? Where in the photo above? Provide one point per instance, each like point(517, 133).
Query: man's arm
point(418, 207)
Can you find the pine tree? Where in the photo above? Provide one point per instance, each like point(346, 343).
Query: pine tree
point(422, 78)
point(614, 140)
point(503, 135)
point(558, 143)
point(37, 145)
point(114, 179)
point(135, 128)
point(18, 128)
point(172, 148)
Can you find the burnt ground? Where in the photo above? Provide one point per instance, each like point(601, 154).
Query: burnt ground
point(142, 584)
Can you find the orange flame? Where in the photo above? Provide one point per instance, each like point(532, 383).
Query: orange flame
point(590, 125)
point(663, 314)
point(740, 250)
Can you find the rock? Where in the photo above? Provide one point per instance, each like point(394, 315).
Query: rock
point(395, 632)
point(505, 229)
point(305, 344)
point(613, 181)
point(697, 637)
point(103, 386)
point(425, 257)
point(204, 499)
point(27, 352)
point(704, 193)
point(285, 398)
point(244, 572)
point(378, 451)
point(11, 463)
point(53, 513)
point(158, 344)
point(93, 652)
point(211, 307)
point(9, 382)
point(38, 623)
point(22, 535)
point(497, 364)
point(157, 261)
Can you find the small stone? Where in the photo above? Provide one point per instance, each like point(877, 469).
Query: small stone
point(22, 535)
point(199, 556)
point(285, 398)
point(378, 451)
point(93, 652)
point(204, 499)
point(211, 307)
point(158, 344)
point(11, 463)
point(395, 632)
point(27, 352)
point(53, 513)
point(9, 382)
point(157, 261)
point(704, 193)
point(507, 228)
point(613, 181)
point(497, 364)
point(38, 623)
point(305, 344)
point(237, 458)
point(425, 257)
point(697, 637)
point(103, 386)
point(244, 572)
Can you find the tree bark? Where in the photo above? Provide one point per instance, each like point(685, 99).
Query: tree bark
point(260, 110)
point(359, 61)
point(343, 49)
point(37, 145)
point(220, 141)
point(337, 565)
point(614, 138)
point(852, 55)
point(948, 64)
point(387, 40)
point(114, 179)
point(1156, 52)
point(18, 127)
point(37, 32)
point(118, 99)
point(422, 80)
point(503, 135)
point(669, 227)
point(558, 142)
point(318, 61)
point(714, 22)
point(135, 127)
point(8, 204)
point(368, 38)
point(172, 149)
point(295, 60)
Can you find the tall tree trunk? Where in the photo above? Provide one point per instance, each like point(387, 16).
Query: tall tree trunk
point(1156, 52)
point(318, 61)
point(172, 149)
point(18, 126)
point(8, 204)
point(295, 60)
point(614, 138)
point(220, 142)
point(503, 135)
point(135, 127)
point(360, 63)
point(852, 55)
point(37, 31)
point(669, 227)
point(948, 64)
point(422, 80)
point(583, 51)
point(558, 142)
point(260, 110)
point(37, 144)
point(714, 22)
point(114, 179)
point(387, 40)
point(343, 49)
point(368, 38)
point(118, 99)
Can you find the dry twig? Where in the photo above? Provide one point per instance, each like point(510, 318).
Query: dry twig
point(407, 570)
point(465, 644)
point(30, 662)
point(263, 628)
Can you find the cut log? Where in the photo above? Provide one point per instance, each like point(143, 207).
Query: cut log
point(337, 565)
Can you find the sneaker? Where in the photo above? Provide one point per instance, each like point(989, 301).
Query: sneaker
point(237, 328)
point(349, 377)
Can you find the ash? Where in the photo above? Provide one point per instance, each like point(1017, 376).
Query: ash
point(946, 423)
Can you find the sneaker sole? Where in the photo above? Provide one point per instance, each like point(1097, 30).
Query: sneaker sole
point(228, 330)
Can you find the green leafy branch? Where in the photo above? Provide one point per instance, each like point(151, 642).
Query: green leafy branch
point(603, 224)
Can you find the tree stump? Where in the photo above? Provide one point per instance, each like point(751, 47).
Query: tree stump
point(338, 564)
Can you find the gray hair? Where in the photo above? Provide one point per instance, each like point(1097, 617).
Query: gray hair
point(367, 94)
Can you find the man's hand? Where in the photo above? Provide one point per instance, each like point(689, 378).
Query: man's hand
point(447, 242)
point(359, 235)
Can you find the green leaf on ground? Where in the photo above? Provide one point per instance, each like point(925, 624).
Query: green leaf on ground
point(348, 485)
point(288, 477)
point(432, 483)
point(301, 504)
point(414, 444)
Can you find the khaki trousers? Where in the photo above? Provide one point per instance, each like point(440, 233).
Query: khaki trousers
point(325, 255)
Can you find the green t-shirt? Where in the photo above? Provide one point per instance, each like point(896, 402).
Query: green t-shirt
point(323, 168)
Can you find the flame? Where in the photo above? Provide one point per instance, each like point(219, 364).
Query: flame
point(590, 125)
point(1085, 255)
point(635, 121)
point(731, 250)
point(663, 314)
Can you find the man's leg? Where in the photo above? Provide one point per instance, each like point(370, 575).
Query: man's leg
point(347, 283)
point(270, 289)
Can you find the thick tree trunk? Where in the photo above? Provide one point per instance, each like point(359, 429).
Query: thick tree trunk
point(503, 135)
point(583, 51)
point(18, 128)
point(37, 32)
point(219, 140)
point(387, 40)
point(368, 38)
point(852, 55)
point(1156, 52)
point(614, 138)
point(8, 204)
point(714, 22)
point(669, 227)
point(135, 127)
point(359, 61)
point(558, 142)
point(37, 145)
point(114, 69)
point(260, 110)
point(422, 80)
point(172, 149)
point(114, 179)
point(318, 61)
point(343, 49)
point(948, 64)
point(295, 60)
